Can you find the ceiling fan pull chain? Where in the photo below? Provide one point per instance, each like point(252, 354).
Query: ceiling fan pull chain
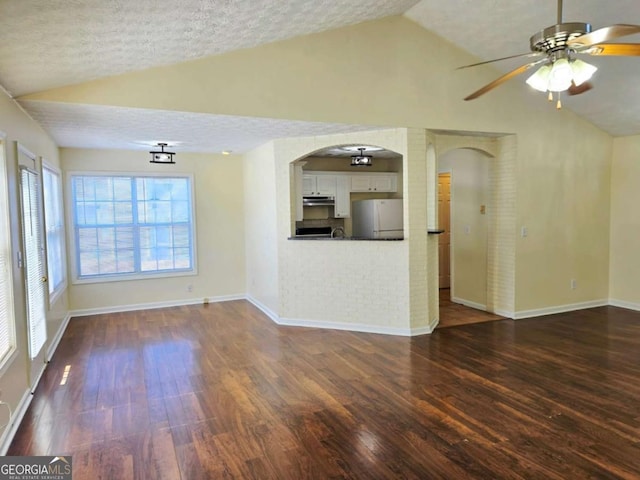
point(559, 104)
point(550, 97)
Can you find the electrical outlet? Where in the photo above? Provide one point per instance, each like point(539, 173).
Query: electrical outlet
point(205, 301)
point(574, 284)
point(189, 288)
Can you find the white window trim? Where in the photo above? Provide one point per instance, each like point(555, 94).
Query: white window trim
point(69, 211)
point(5, 223)
point(57, 293)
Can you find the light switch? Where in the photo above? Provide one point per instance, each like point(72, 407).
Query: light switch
point(524, 232)
point(467, 229)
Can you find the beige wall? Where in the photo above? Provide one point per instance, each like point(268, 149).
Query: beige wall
point(220, 235)
point(261, 227)
point(561, 166)
point(563, 199)
point(18, 127)
point(625, 223)
point(469, 227)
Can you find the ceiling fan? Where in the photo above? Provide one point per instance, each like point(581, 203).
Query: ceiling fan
point(559, 46)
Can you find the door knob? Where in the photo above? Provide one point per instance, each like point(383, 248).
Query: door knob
point(44, 279)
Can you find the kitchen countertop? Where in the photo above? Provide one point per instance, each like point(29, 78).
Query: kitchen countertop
point(359, 239)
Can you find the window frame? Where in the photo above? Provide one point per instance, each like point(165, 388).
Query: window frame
point(59, 289)
point(7, 357)
point(119, 277)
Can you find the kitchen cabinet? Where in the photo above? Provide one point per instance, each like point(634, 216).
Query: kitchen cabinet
point(318, 185)
point(342, 207)
point(374, 183)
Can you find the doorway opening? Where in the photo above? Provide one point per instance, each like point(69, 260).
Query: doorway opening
point(464, 197)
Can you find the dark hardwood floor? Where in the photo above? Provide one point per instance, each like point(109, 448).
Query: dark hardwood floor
point(455, 314)
point(220, 391)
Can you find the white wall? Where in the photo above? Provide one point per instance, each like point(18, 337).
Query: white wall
point(261, 241)
point(219, 203)
point(625, 223)
point(469, 227)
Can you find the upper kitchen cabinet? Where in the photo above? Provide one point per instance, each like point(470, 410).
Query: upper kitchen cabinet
point(342, 207)
point(318, 185)
point(374, 182)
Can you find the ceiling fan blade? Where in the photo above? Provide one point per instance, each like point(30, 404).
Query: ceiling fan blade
point(603, 35)
point(625, 49)
point(529, 54)
point(578, 89)
point(500, 80)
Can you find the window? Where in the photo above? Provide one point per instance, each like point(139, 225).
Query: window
point(7, 338)
point(132, 225)
point(34, 267)
point(56, 271)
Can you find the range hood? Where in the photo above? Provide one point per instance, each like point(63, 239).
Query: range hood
point(318, 201)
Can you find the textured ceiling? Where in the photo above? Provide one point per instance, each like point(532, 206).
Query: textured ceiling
point(94, 126)
point(49, 43)
point(61, 42)
point(499, 28)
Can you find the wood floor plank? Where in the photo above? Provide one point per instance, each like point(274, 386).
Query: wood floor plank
point(220, 391)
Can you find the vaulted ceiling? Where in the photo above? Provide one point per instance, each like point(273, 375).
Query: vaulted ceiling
point(51, 43)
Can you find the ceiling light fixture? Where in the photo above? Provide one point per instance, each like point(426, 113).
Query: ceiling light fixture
point(561, 75)
point(161, 156)
point(361, 160)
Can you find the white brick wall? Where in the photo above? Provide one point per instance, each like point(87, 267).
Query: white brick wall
point(345, 282)
point(502, 232)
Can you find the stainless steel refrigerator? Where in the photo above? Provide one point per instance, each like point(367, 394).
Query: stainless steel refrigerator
point(381, 218)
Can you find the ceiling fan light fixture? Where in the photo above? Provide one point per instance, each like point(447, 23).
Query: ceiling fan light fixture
point(582, 71)
point(540, 79)
point(560, 76)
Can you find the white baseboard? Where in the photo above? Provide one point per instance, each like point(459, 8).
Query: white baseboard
point(415, 332)
point(624, 304)
point(153, 305)
point(560, 309)
point(261, 306)
point(469, 303)
point(352, 327)
point(57, 337)
point(35, 383)
point(16, 420)
point(505, 313)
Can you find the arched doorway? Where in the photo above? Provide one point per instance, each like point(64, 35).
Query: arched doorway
point(463, 196)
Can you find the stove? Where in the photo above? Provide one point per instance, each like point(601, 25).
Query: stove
point(313, 232)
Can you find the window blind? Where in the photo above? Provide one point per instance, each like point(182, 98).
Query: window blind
point(54, 224)
point(34, 267)
point(126, 225)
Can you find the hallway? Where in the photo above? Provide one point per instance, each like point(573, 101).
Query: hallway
point(455, 314)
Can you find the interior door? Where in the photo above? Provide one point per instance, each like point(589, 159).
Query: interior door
point(34, 270)
point(444, 219)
